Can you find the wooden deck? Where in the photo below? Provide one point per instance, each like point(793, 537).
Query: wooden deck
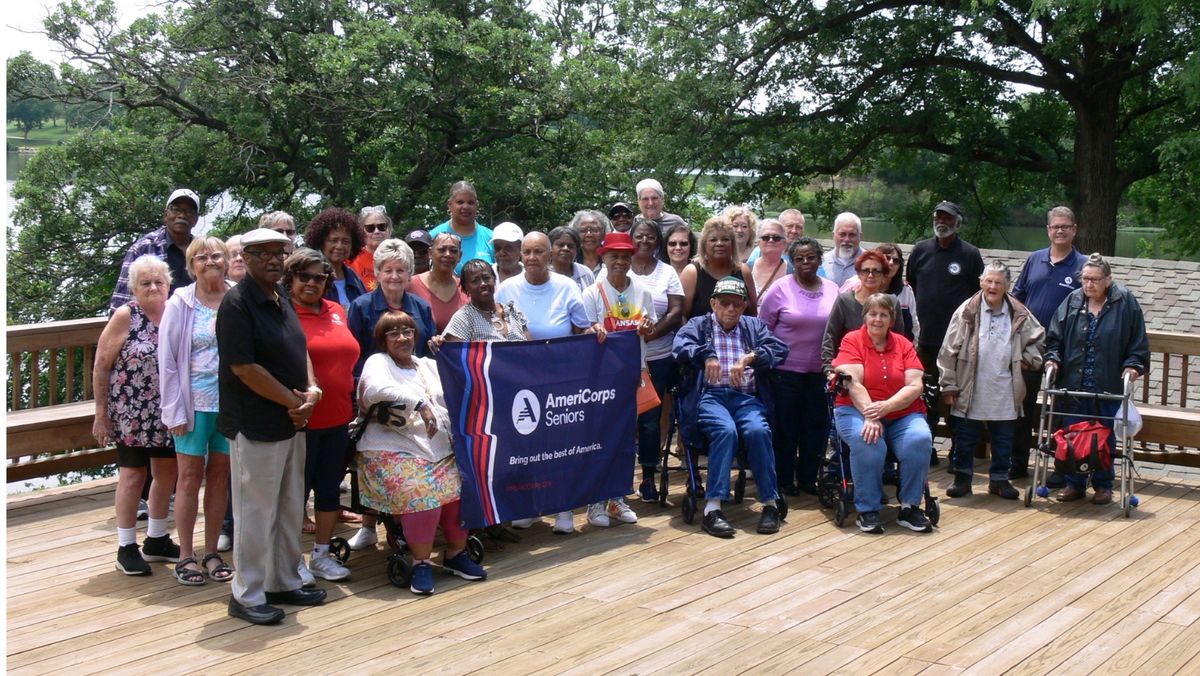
point(1064, 589)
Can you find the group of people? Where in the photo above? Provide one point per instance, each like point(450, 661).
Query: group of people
point(219, 353)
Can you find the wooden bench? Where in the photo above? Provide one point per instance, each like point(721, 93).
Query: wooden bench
point(1170, 421)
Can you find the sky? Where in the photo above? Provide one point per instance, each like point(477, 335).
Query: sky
point(23, 18)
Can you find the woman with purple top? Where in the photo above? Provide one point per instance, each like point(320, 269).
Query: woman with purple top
point(796, 310)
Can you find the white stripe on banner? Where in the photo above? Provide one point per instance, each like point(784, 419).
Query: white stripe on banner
point(487, 427)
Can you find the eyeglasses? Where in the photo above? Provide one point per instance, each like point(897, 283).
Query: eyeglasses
point(1091, 280)
point(677, 245)
point(1060, 227)
point(310, 277)
point(376, 227)
point(772, 238)
point(593, 230)
point(186, 211)
point(266, 255)
point(621, 214)
point(725, 301)
point(870, 272)
point(215, 257)
point(397, 334)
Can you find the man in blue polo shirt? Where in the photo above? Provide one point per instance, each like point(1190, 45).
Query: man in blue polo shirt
point(1047, 277)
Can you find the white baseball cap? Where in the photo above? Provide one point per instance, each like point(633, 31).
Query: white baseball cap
point(508, 232)
point(184, 192)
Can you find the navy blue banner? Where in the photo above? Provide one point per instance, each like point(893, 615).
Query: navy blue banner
point(544, 426)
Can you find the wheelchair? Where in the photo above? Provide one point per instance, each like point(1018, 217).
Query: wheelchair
point(695, 445)
point(835, 487)
point(399, 565)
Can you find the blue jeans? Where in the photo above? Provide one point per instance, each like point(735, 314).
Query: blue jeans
point(967, 435)
point(1102, 479)
point(910, 441)
point(649, 424)
point(724, 414)
point(802, 429)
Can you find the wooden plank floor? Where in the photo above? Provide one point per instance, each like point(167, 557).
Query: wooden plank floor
point(1064, 589)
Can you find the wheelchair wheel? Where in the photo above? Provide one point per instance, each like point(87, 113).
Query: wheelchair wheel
point(339, 549)
point(1029, 495)
point(739, 488)
point(688, 506)
point(399, 571)
point(840, 513)
point(475, 548)
point(393, 532)
point(933, 510)
point(782, 505)
point(827, 491)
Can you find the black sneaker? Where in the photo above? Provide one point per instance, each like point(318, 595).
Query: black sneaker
point(130, 561)
point(160, 549)
point(1004, 489)
point(1018, 473)
point(961, 487)
point(914, 519)
point(868, 522)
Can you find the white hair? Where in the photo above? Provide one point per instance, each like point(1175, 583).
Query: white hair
point(649, 183)
point(393, 250)
point(147, 263)
point(848, 216)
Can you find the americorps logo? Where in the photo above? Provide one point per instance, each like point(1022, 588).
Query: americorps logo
point(526, 412)
point(560, 409)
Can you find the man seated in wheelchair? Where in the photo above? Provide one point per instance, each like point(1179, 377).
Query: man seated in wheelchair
point(726, 357)
point(881, 408)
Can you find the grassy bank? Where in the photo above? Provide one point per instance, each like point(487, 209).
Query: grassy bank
point(45, 136)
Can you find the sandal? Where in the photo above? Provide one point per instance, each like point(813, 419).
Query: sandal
point(223, 572)
point(346, 516)
point(187, 576)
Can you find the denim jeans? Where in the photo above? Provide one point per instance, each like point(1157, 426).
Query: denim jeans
point(724, 414)
point(967, 435)
point(910, 441)
point(649, 424)
point(801, 427)
point(1102, 479)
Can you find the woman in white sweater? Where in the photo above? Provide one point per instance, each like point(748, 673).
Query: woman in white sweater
point(406, 467)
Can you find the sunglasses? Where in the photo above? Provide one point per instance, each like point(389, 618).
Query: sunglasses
point(310, 277)
point(677, 245)
point(376, 227)
point(772, 238)
point(870, 272)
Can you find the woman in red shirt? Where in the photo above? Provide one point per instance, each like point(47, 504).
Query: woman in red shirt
point(333, 351)
point(882, 408)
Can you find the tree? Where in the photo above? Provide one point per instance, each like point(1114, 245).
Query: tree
point(30, 83)
point(1081, 91)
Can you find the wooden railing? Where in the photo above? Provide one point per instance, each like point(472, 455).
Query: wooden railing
point(50, 399)
point(51, 408)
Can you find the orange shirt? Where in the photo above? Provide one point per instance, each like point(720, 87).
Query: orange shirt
point(364, 265)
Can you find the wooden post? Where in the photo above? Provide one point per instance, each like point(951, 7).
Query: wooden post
point(70, 389)
point(35, 379)
point(53, 377)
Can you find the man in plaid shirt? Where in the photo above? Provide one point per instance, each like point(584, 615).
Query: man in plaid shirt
point(729, 354)
point(167, 243)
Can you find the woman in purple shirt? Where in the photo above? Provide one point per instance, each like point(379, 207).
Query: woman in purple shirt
point(796, 310)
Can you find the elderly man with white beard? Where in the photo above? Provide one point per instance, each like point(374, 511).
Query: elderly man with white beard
point(838, 264)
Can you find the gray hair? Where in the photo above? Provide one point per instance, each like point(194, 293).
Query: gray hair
point(997, 265)
point(1095, 260)
point(462, 186)
point(848, 216)
point(393, 250)
point(770, 221)
point(373, 211)
point(271, 219)
point(1060, 211)
point(302, 258)
point(203, 243)
point(789, 212)
point(882, 300)
point(649, 183)
point(145, 264)
point(598, 216)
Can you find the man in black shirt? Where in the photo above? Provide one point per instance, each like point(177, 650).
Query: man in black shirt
point(943, 271)
point(267, 393)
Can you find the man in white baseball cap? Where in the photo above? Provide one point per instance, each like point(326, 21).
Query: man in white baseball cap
point(506, 248)
point(167, 243)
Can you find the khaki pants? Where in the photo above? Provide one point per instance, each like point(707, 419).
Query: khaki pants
point(268, 507)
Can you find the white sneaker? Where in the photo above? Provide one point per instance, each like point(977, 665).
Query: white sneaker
point(328, 568)
point(623, 512)
point(564, 523)
point(224, 543)
point(363, 538)
point(522, 523)
point(306, 578)
point(598, 515)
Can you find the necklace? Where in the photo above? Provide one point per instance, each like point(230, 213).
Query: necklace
point(495, 315)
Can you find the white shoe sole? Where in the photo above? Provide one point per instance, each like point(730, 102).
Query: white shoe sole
point(330, 578)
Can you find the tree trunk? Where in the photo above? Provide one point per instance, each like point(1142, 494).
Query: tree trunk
point(1095, 184)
